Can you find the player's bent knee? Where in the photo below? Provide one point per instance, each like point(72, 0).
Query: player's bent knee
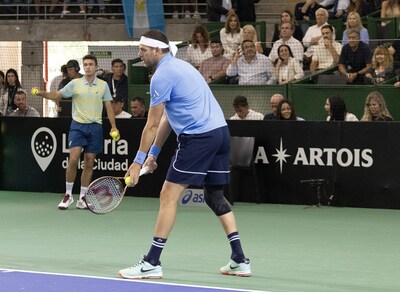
point(215, 199)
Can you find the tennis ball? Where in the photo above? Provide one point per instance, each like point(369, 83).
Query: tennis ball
point(35, 91)
point(127, 180)
point(114, 135)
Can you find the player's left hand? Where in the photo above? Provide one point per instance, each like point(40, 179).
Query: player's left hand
point(151, 164)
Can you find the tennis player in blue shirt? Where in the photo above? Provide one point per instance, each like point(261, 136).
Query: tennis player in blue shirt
point(182, 101)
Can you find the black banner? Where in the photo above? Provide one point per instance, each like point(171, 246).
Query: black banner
point(357, 160)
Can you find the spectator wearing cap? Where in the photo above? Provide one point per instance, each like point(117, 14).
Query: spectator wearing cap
point(118, 105)
point(214, 68)
point(64, 105)
point(117, 81)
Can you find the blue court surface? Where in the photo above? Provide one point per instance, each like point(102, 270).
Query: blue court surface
point(28, 281)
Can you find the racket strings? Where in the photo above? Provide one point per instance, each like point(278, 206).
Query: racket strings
point(104, 194)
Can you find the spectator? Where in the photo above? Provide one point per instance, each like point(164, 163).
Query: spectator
point(65, 105)
point(50, 11)
point(375, 109)
point(117, 81)
point(1, 83)
point(250, 33)
point(285, 111)
point(214, 68)
point(327, 52)
point(287, 67)
point(23, 109)
point(390, 9)
point(354, 21)
point(306, 10)
point(199, 48)
point(231, 35)
point(243, 112)
point(355, 59)
point(314, 34)
point(246, 10)
point(287, 38)
point(12, 85)
point(335, 107)
point(101, 7)
point(138, 107)
point(273, 103)
point(118, 107)
point(287, 16)
point(219, 10)
point(382, 66)
point(362, 7)
point(338, 9)
point(65, 10)
point(56, 80)
point(252, 68)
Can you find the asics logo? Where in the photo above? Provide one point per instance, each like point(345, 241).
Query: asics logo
point(145, 271)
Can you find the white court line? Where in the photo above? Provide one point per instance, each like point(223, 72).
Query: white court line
point(4, 270)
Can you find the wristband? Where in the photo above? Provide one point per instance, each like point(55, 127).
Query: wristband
point(154, 151)
point(140, 157)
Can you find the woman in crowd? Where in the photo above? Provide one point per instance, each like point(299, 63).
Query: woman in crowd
point(375, 108)
point(11, 86)
point(285, 111)
point(390, 9)
point(199, 48)
point(250, 33)
point(362, 7)
point(336, 110)
point(231, 35)
point(287, 68)
point(382, 66)
point(287, 16)
point(354, 21)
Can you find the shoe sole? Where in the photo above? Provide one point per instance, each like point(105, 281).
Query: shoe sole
point(237, 274)
point(63, 208)
point(150, 276)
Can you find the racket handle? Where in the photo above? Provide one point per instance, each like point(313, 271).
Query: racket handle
point(143, 171)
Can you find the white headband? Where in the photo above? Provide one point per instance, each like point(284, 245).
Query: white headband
point(158, 44)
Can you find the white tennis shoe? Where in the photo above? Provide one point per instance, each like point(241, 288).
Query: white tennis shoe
point(66, 202)
point(142, 270)
point(237, 269)
point(80, 204)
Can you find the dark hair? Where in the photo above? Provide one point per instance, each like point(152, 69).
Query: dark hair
point(159, 36)
point(290, 51)
point(338, 109)
point(73, 64)
point(228, 19)
point(118, 60)
point(328, 27)
point(204, 32)
point(64, 69)
point(240, 101)
point(139, 99)
point(279, 110)
point(246, 41)
point(90, 57)
point(2, 75)
point(17, 82)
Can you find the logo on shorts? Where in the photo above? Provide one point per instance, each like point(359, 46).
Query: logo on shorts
point(44, 146)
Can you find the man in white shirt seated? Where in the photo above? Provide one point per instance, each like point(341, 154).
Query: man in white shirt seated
point(327, 53)
point(243, 112)
point(287, 38)
point(118, 105)
point(313, 34)
point(252, 68)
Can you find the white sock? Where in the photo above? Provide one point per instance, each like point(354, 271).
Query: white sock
point(83, 192)
point(68, 188)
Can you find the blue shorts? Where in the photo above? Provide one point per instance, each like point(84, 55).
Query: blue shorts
point(201, 159)
point(88, 136)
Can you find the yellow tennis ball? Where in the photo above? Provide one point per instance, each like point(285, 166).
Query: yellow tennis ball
point(127, 180)
point(35, 91)
point(114, 135)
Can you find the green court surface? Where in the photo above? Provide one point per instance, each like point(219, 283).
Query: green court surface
point(292, 248)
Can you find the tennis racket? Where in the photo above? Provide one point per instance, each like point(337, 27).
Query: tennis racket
point(105, 193)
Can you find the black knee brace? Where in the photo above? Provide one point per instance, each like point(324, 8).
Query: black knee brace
point(214, 197)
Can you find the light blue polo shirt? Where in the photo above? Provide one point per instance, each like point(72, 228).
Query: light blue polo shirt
point(190, 105)
point(87, 99)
